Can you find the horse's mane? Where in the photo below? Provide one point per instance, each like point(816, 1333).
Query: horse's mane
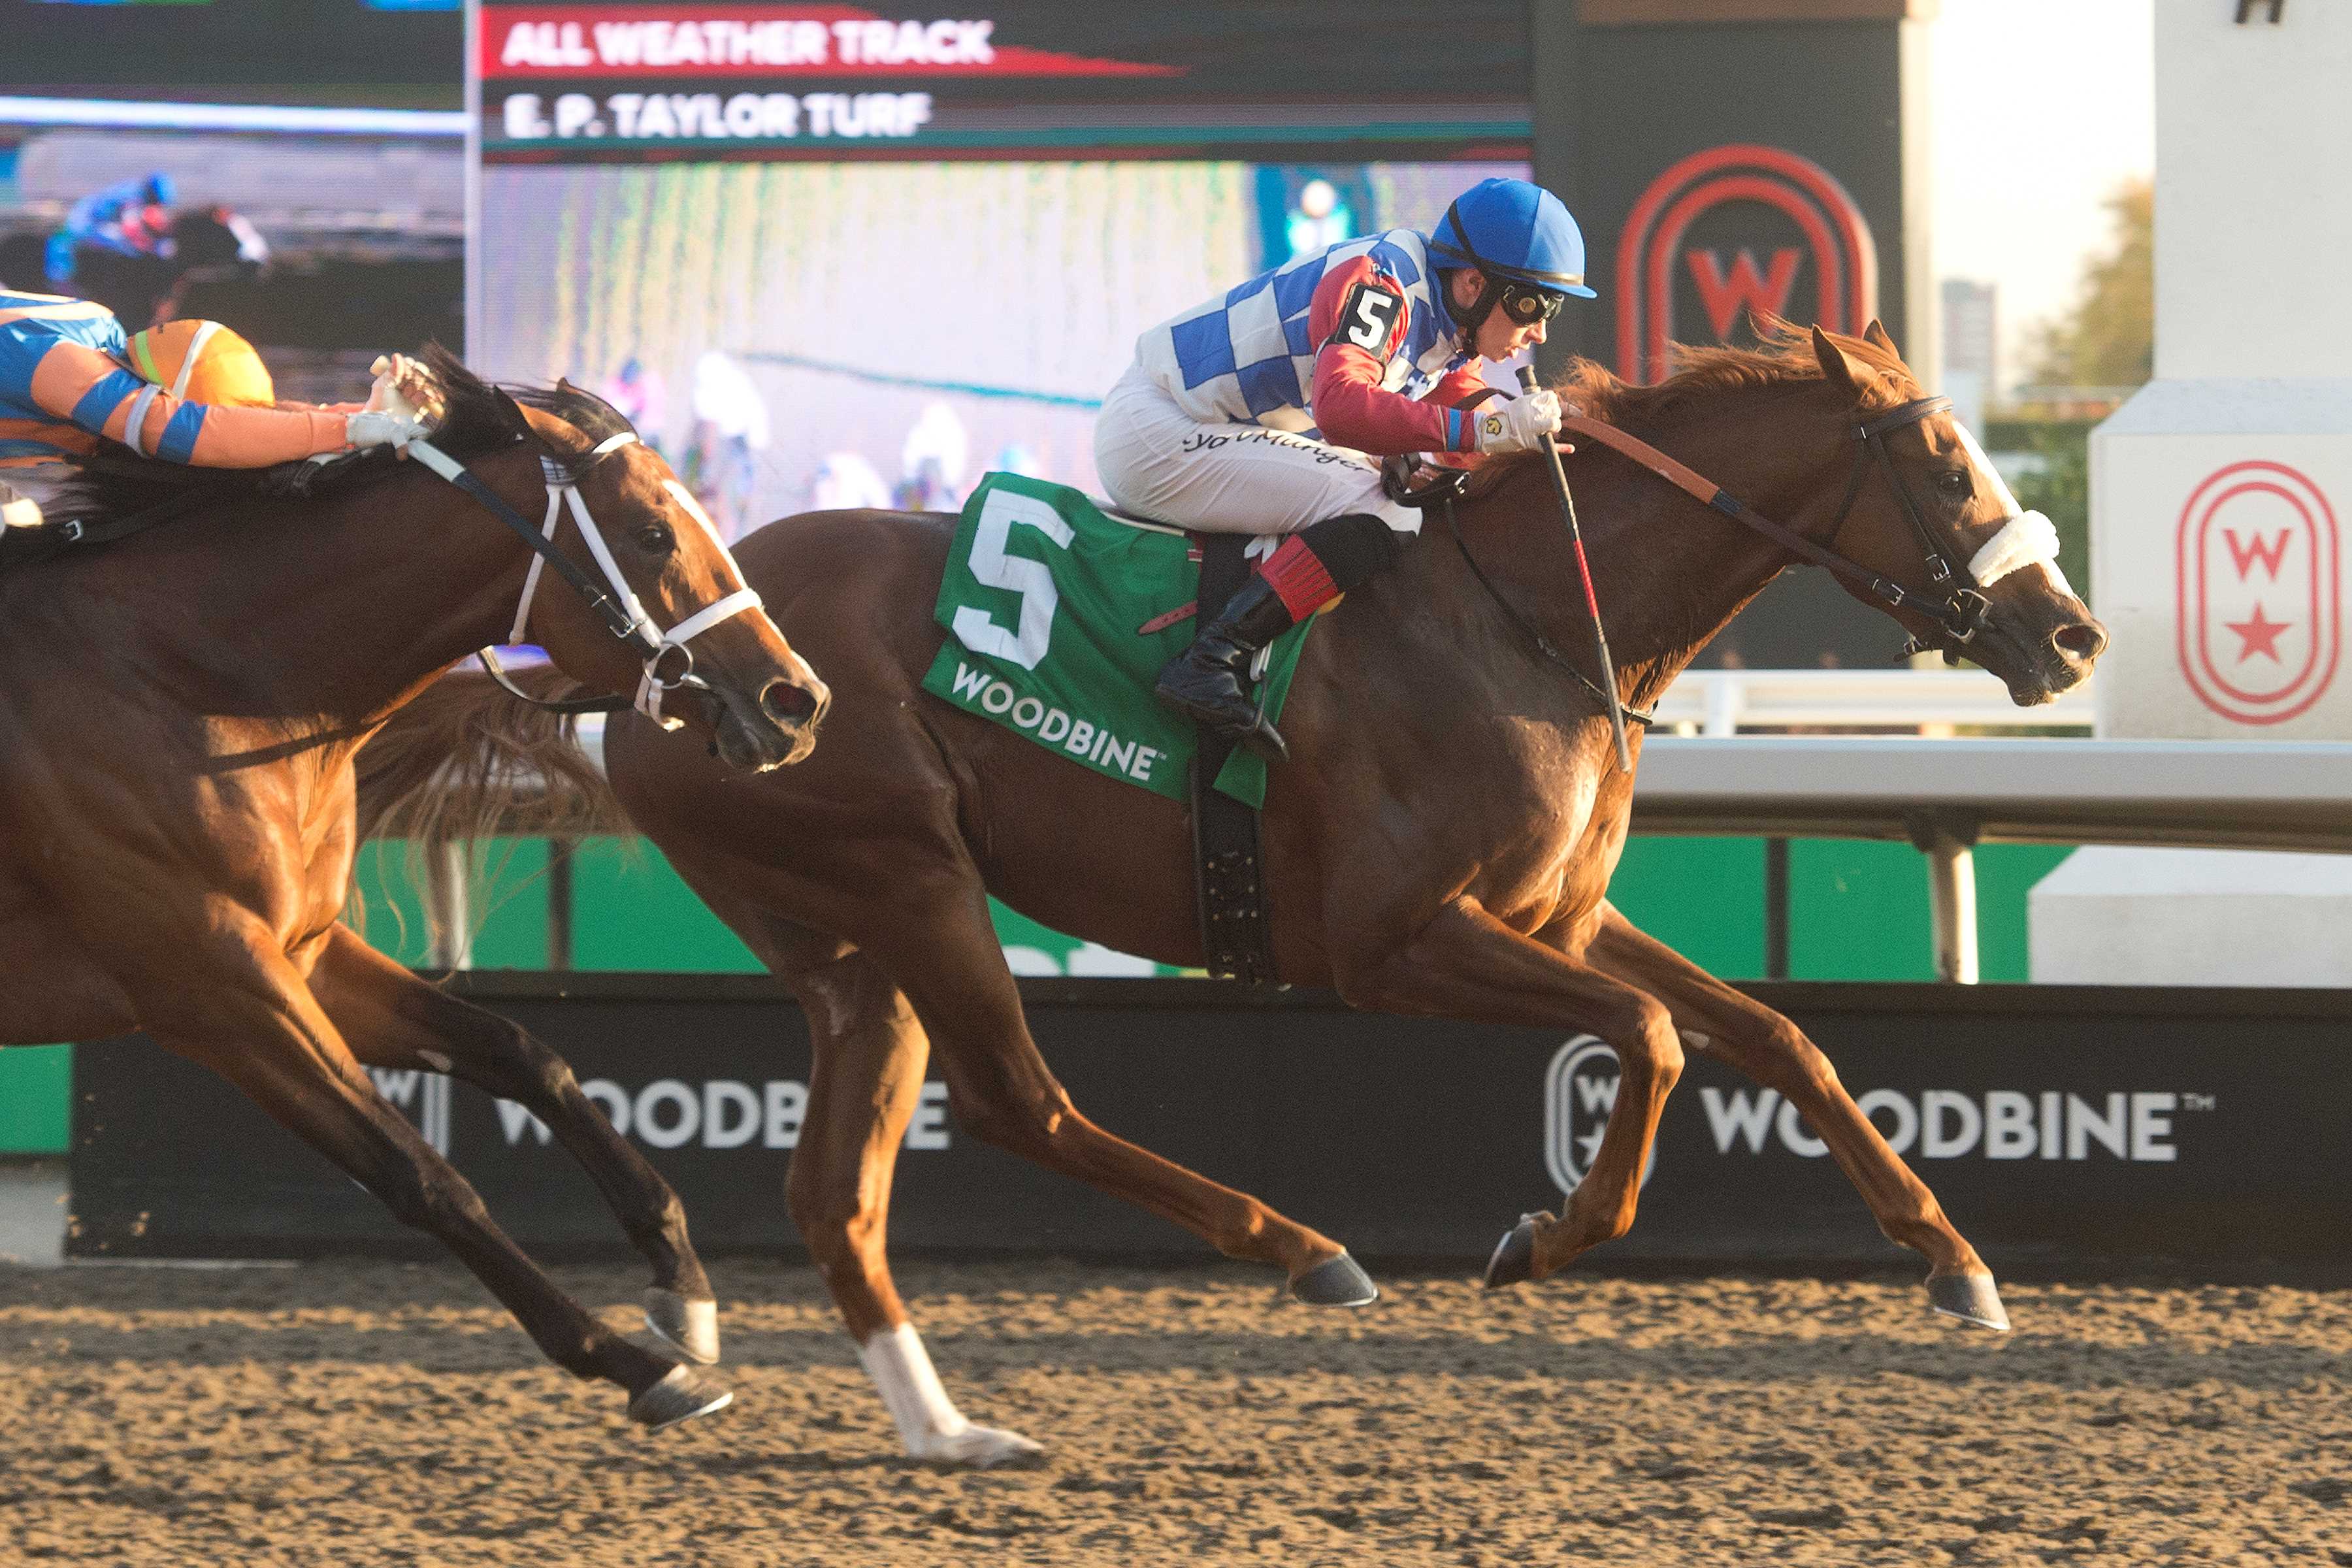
point(480, 417)
point(1784, 357)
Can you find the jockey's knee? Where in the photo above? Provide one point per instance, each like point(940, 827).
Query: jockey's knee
point(1353, 547)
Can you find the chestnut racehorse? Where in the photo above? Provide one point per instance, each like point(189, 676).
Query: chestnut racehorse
point(178, 717)
point(1440, 842)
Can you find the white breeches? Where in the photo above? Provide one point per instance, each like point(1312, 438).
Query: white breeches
point(1160, 462)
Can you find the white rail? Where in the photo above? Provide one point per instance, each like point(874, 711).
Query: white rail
point(1945, 796)
point(1728, 701)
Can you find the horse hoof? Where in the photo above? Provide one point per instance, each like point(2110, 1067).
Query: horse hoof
point(1971, 1297)
point(689, 1328)
point(1336, 1282)
point(980, 1448)
point(681, 1395)
point(1513, 1262)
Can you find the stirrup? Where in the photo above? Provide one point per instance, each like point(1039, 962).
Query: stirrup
point(1255, 732)
point(1263, 738)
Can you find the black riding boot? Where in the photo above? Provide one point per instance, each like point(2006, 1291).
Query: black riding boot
point(1208, 680)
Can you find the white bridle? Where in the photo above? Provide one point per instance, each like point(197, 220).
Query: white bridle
point(562, 495)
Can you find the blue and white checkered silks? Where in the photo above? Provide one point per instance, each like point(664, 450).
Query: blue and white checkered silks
point(1246, 356)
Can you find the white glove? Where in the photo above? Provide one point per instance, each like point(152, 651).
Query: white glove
point(18, 509)
point(404, 387)
point(1518, 425)
point(375, 428)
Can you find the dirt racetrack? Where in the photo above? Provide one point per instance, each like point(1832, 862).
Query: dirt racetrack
point(356, 1414)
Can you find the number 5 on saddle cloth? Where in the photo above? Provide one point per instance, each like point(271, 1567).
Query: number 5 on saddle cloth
point(1059, 616)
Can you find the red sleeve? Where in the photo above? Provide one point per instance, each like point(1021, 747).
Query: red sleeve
point(1457, 388)
point(1359, 315)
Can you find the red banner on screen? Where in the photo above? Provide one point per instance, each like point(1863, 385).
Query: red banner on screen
point(682, 41)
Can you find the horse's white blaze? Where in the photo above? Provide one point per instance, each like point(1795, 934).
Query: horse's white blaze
point(929, 1424)
point(685, 498)
point(2009, 506)
point(2029, 539)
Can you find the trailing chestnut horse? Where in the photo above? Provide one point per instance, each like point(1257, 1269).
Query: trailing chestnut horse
point(179, 710)
point(1440, 842)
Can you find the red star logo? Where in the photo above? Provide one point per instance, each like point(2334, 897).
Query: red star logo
point(2259, 636)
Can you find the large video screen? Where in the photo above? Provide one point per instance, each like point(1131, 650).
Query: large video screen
point(833, 255)
point(312, 52)
point(324, 250)
point(293, 168)
point(804, 335)
point(1218, 78)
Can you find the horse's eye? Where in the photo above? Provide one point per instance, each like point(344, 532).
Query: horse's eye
point(656, 539)
point(1954, 483)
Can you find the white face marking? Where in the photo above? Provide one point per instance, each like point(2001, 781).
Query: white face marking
point(2009, 507)
point(2027, 539)
point(685, 498)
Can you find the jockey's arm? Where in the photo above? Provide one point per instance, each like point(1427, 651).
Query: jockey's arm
point(84, 387)
point(1456, 389)
point(1360, 318)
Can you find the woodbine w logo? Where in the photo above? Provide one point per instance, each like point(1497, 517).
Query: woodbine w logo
point(2134, 1126)
point(1693, 237)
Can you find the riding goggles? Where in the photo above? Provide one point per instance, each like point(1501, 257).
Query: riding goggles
point(1525, 304)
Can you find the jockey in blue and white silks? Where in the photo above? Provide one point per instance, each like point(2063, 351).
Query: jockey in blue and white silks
point(1266, 410)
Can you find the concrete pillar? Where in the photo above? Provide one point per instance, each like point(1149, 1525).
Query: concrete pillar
point(2219, 492)
point(2110, 916)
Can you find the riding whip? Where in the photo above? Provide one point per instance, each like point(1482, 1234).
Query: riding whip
point(1591, 599)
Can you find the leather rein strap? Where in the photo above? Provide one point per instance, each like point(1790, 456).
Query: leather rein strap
point(1528, 628)
point(1958, 614)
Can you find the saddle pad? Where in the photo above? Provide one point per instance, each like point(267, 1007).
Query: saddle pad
point(1058, 620)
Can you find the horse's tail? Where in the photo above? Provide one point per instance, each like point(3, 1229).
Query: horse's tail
point(466, 761)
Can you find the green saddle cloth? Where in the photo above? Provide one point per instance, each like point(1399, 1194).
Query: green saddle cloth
point(1058, 621)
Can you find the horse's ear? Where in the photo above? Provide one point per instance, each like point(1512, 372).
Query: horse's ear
point(512, 411)
point(1874, 333)
point(1839, 367)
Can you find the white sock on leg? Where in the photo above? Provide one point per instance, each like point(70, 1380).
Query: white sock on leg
point(927, 1421)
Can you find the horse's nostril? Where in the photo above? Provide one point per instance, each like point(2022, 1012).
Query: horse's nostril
point(2083, 640)
point(787, 703)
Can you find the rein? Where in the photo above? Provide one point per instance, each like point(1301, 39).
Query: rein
point(1958, 616)
point(623, 615)
point(1445, 500)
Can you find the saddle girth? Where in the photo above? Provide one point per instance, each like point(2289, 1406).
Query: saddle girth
point(1228, 861)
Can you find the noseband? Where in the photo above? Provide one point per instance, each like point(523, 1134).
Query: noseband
point(623, 615)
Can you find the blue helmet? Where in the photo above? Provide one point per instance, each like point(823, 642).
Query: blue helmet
point(1511, 230)
point(159, 188)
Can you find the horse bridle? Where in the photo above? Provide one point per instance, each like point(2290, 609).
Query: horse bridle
point(1961, 612)
point(1958, 615)
point(622, 612)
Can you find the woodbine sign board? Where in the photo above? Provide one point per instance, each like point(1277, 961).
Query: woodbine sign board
point(2068, 1129)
